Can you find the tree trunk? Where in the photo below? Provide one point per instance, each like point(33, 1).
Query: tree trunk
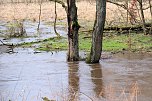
point(150, 32)
point(142, 16)
point(38, 27)
point(73, 27)
point(127, 12)
point(97, 36)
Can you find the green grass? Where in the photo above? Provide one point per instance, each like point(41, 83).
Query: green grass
point(53, 44)
point(84, 43)
point(116, 43)
point(139, 42)
point(112, 43)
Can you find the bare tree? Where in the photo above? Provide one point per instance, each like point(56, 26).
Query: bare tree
point(97, 34)
point(142, 16)
point(127, 10)
point(133, 13)
point(73, 27)
point(151, 15)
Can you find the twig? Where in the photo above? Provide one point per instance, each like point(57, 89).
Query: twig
point(86, 96)
point(58, 35)
point(123, 6)
point(39, 15)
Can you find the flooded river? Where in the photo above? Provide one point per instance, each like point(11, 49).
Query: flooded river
point(29, 76)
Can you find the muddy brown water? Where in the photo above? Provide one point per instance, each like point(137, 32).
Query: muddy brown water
point(26, 76)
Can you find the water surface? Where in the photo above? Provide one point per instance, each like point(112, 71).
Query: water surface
point(27, 76)
point(32, 35)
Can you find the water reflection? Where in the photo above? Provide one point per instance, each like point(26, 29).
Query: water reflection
point(76, 91)
point(96, 76)
point(73, 80)
point(79, 78)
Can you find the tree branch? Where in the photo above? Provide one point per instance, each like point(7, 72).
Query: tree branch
point(60, 2)
point(120, 5)
point(58, 35)
point(123, 6)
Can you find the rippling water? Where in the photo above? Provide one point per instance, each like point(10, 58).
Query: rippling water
point(26, 76)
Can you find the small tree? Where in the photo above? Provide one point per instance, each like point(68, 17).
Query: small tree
point(142, 16)
point(58, 35)
point(133, 13)
point(97, 34)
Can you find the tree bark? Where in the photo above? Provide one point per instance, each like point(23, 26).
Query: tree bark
point(97, 34)
point(127, 11)
point(142, 16)
point(150, 32)
point(73, 28)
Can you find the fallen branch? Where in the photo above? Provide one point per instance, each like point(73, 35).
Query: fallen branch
point(125, 28)
point(6, 44)
point(2, 42)
point(6, 48)
point(128, 28)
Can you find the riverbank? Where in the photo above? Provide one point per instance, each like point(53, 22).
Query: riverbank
point(46, 40)
point(111, 43)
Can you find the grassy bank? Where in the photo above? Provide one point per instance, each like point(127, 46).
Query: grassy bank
point(111, 43)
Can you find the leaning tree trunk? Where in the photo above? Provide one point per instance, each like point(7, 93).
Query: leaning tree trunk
point(97, 34)
point(73, 27)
